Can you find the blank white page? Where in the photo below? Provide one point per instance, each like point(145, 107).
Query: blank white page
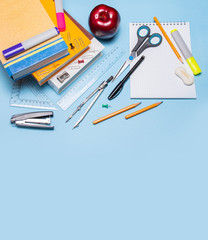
point(155, 77)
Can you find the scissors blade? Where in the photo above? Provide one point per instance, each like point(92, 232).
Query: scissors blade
point(124, 66)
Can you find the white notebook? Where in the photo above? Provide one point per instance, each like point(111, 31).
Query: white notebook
point(155, 77)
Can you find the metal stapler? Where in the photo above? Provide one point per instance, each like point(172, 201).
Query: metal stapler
point(39, 120)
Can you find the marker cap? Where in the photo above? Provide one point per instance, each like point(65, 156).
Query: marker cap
point(61, 21)
point(13, 51)
point(193, 65)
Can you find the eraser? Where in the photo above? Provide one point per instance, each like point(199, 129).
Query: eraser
point(187, 78)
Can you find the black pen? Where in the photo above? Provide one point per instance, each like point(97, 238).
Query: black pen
point(119, 87)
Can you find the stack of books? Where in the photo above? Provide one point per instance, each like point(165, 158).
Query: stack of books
point(58, 60)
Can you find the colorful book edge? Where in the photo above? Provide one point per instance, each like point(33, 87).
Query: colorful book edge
point(47, 54)
point(75, 38)
point(75, 68)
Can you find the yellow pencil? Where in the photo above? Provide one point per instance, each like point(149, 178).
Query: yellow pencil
point(142, 110)
point(115, 113)
point(168, 39)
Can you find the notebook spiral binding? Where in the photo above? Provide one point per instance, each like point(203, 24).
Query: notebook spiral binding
point(162, 23)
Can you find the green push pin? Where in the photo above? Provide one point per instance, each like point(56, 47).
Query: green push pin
point(106, 106)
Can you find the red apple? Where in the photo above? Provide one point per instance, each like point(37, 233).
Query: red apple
point(104, 21)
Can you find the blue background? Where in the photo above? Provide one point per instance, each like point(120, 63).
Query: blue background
point(145, 178)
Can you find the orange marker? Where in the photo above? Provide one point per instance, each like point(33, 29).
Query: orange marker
point(142, 110)
point(168, 39)
point(115, 113)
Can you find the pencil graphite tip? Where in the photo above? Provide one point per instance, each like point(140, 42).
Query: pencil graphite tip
point(136, 104)
point(181, 60)
point(75, 126)
point(68, 119)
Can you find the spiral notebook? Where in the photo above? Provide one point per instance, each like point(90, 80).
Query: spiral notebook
point(155, 77)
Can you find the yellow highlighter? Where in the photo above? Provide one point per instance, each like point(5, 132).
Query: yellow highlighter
point(186, 52)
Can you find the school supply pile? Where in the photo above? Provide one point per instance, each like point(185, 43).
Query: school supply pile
point(66, 75)
point(156, 77)
point(76, 40)
point(95, 73)
point(24, 50)
point(46, 44)
point(31, 43)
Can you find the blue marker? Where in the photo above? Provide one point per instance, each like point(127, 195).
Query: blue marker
point(32, 42)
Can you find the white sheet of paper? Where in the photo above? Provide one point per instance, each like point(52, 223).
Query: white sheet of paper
point(155, 77)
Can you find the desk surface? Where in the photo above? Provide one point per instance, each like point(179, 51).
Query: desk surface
point(145, 178)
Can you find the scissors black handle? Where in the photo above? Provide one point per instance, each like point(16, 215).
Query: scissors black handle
point(141, 37)
point(149, 43)
point(145, 40)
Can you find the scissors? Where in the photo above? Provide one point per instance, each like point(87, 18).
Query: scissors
point(144, 41)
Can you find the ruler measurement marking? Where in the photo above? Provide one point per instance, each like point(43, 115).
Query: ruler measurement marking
point(80, 87)
point(42, 101)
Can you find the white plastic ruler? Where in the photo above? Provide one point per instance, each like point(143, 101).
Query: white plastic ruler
point(106, 62)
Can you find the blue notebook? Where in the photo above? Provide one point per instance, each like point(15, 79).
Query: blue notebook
point(17, 28)
point(30, 62)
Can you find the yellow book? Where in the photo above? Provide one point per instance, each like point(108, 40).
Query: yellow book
point(21, 20)
point(75, 39)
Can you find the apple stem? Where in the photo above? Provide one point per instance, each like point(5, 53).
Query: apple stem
point(103, 16)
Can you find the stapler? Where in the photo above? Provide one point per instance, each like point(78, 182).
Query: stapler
point(39, 120)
